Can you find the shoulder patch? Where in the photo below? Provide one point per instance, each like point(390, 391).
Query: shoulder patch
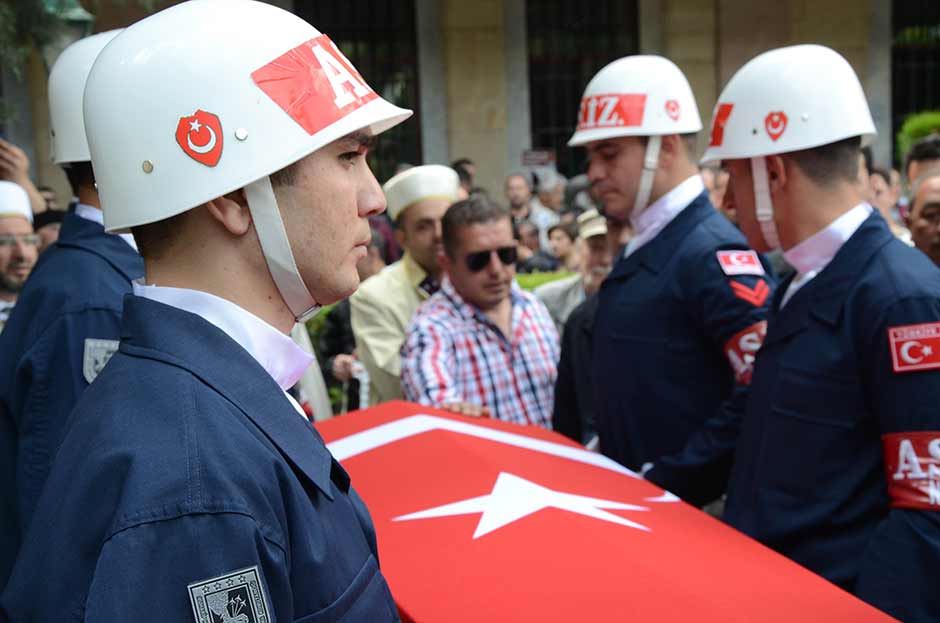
point(915, 347)
point(97, 354)
point(740, 263)
point(235, 596)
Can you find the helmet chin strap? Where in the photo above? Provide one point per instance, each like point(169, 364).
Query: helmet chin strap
point(764, 207)
point(650, 164)
point(276, 248)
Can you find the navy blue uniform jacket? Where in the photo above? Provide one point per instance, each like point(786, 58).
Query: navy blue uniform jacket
point(184, 461)
point(74, 293)
point(665, 392)
point(809, 477)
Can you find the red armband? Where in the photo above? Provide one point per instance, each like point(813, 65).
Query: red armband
point(912, 467)
point(742, 349)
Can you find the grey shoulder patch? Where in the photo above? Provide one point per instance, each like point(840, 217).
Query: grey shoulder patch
point(236, 597)
point(97, 354)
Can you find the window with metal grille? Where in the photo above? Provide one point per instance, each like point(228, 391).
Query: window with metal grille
point(378, 37)
point(568, 42)
point(915, 59)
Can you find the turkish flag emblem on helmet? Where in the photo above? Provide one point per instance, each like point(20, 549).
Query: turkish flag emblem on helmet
point(200, 136)
point(672, 109)
point(776, 124)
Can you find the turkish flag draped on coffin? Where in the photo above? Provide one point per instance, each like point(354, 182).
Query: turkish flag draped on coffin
point(479, 520)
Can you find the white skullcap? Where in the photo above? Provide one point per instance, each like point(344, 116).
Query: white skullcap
point(591, 224)
point(14, 201)
point(430, 181)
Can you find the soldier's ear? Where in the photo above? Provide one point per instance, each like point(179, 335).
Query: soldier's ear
point(777, 174)
point(231, 212)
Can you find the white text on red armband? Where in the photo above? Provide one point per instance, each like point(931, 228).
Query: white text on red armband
point(742, 349)
point(912, 466)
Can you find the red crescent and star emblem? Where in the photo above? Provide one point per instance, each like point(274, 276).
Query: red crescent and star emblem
point(200, 137)
point(672, 109)
point(776, 124)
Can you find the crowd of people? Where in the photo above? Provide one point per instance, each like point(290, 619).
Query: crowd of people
point(755, 329)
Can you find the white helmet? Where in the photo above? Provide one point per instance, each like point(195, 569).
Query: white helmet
point(210, 96)
point(66, 86)
point(637, 96)
point(429, 181)
point(786, 100)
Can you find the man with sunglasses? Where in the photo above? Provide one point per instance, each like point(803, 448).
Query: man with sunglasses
point(381, 309)
point(682, 314)
point(18, 245)
point(481, 346)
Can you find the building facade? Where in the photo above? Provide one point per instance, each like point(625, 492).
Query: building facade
point(494, 79)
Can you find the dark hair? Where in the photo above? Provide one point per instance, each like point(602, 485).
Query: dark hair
point(829, 164)
point(79, 174)
point(927, 148)
point(570, 229)
point(154, 240)
point(460, 163)
point(464, 176)
point(881, 173)
point(472, 211)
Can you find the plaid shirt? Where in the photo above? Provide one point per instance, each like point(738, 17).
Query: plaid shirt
point(453, 353)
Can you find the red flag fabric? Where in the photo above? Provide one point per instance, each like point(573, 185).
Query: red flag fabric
point(480, 520)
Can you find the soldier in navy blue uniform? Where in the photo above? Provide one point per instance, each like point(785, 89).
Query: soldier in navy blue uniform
point(189, 485)
point(67, 322)
point(683, 311)
point(837, 463)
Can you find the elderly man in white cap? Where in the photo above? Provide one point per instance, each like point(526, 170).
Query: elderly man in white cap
point(383, 306)
point(563, 295)
point(18, 245)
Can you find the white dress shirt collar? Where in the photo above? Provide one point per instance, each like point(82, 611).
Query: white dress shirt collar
point(811, 256)
point(277, 353)
point(661, 212)
point(93, 214)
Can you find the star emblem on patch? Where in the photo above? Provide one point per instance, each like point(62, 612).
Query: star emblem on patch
point(234, 597)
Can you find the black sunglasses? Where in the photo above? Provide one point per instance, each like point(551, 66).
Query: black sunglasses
point(479, 260)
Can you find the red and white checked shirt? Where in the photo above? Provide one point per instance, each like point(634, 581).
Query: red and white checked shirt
point(453, 353)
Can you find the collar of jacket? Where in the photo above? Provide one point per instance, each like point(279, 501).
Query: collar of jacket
point(656, 253)
point(79, 233)
point(152, 330)
point(419, 278)
point(824, 296)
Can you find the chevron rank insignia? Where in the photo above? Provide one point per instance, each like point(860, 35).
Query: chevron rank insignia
point(237, 596)
point(97, 354)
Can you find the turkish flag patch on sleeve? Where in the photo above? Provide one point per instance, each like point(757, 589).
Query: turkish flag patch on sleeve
point(740, 263)
point(915, 347)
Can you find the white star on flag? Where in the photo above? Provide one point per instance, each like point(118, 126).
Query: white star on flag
point(514, 498)
point(926, 351)
point(194, 125)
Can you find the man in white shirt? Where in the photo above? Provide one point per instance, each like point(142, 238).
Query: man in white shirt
point(188, 479)
point(682, 312)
